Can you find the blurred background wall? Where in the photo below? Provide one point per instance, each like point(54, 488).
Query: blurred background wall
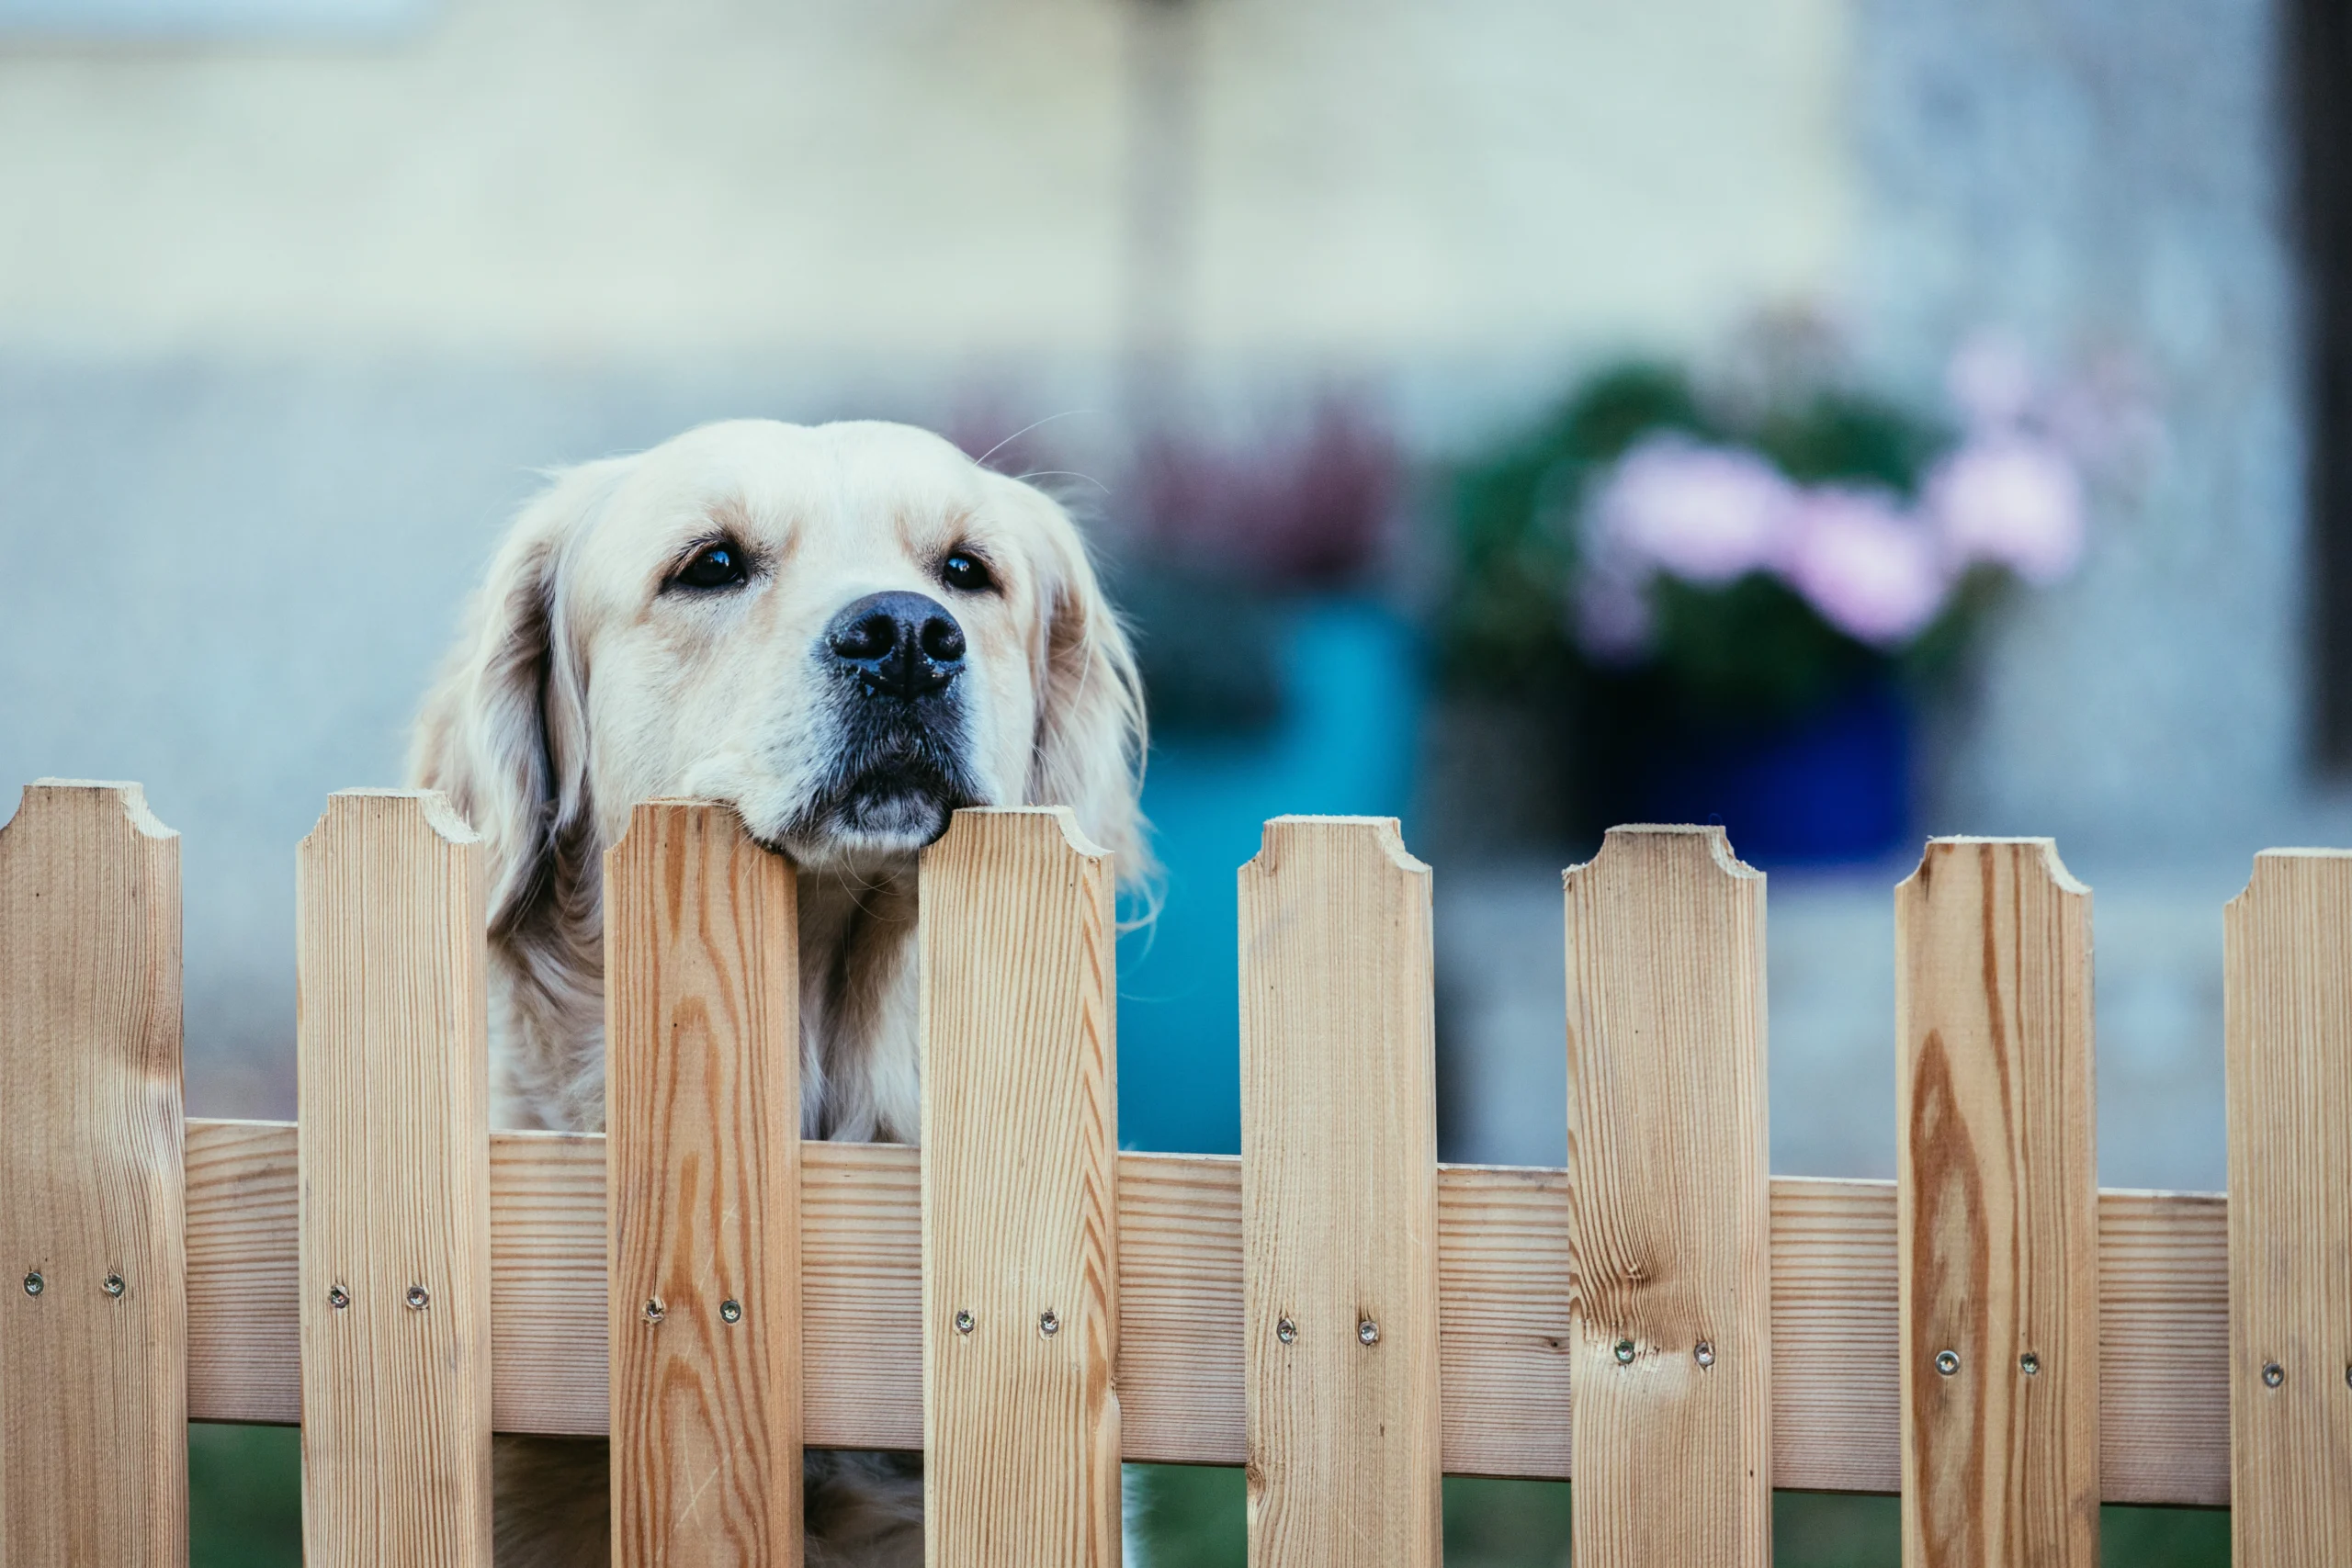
point(297, 299)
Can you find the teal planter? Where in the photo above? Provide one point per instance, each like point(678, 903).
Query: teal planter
point(1343, 745)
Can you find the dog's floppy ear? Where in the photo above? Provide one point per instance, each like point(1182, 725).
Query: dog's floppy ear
point(1089, 750)
point(503, 734)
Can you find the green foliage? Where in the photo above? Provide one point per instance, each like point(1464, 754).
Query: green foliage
point(1845, 435)
point(1504, 625)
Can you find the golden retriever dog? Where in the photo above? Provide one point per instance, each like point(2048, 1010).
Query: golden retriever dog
point(845, 632)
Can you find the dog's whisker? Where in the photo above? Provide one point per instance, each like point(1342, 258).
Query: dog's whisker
point(1067, 414)
point(1064, 474)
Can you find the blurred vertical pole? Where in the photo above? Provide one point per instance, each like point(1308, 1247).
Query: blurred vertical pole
point(2317, 54)
point(1161, 188)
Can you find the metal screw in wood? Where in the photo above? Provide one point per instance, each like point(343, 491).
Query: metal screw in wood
point(2029, 1364)
point(964, 1323)
point(1286, 1331)
point(2273, 1375)
point(337, 1297)
point(34, 1283)
point(730, 1311)
point(417, 1298)
point(1049, 1324)
point(112, 1285)
point(1703, 1353)
point(1625, 1352)
point(654, 1310)
point(1368, 1332)
point(1947, 1361)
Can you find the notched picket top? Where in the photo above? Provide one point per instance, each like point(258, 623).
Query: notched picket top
point(392, 1048)
point(429, 807)
point(1019, 1193)
point(1340, 1217)
point(703, 1144)
point(42, 797)
point(93, 1251)
point(1670, 1223)
point(2288, 939)
point(1998, 1206)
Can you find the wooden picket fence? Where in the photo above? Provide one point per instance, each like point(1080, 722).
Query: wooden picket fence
point(1991, 1336)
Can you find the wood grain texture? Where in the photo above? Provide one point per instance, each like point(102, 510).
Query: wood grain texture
point(244, 1264)
point(1669, 1233)
point(2164, 1285)
point(92, 1375)
point(393, 1058)
point(1338, 1197)
point(2288, 1011)
point(702, 1096)
point(1020, 1140)
point(1502, 1284)
point(1998, 1189)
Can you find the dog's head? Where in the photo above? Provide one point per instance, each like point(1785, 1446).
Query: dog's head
point(845, 632)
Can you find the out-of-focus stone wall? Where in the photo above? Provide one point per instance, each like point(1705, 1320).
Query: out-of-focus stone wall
point(927, 179)
point(2108, 182)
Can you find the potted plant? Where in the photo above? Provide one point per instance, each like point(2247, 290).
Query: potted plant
point(1733, 604)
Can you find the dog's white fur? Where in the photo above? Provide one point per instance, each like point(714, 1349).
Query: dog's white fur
point(589, 679)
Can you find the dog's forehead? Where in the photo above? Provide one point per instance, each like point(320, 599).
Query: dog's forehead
point(853, 486)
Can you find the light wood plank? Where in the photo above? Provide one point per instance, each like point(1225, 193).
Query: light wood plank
point(1338, 1197)
point(2289, 1009)
point(703, 1150)
point(1669, 1229)
point(1502, 1283)
point(92, 1308)
point(2164, 1283)
point(392, 1051)
point(1999, 1208)
point(1020, 1236)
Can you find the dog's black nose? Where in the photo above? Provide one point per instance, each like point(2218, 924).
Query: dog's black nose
point(901, 645)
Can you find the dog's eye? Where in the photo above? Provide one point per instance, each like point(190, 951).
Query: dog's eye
point(965, 571)
point(716, 565)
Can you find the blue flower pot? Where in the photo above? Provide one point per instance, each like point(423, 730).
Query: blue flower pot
point(1831, 788)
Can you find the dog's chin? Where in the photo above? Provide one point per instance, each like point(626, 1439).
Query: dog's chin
point(876, 818)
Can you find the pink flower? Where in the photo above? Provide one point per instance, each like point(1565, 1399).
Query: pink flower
point(2014, 500)
point(1871, 571)
point(1708, 514)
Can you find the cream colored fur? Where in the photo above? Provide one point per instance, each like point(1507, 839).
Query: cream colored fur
point(586, 682)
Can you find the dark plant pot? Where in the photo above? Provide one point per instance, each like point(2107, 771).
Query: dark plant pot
point(1831, 788)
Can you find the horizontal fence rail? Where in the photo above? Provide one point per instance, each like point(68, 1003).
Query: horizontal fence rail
point(1991, 1335)
point(1503, 1286)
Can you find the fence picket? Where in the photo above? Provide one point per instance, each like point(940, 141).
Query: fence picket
point(702, 1091)
point(1998, 1195)
point(92, 1236)
point(1021, 1334)
point(392, 1047)
point(1670, 1220)
point(2288, 1033)
point(1338, 1173)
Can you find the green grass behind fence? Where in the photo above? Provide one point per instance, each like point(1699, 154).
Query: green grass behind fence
point(1194, 1519)
point(244, 1511)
